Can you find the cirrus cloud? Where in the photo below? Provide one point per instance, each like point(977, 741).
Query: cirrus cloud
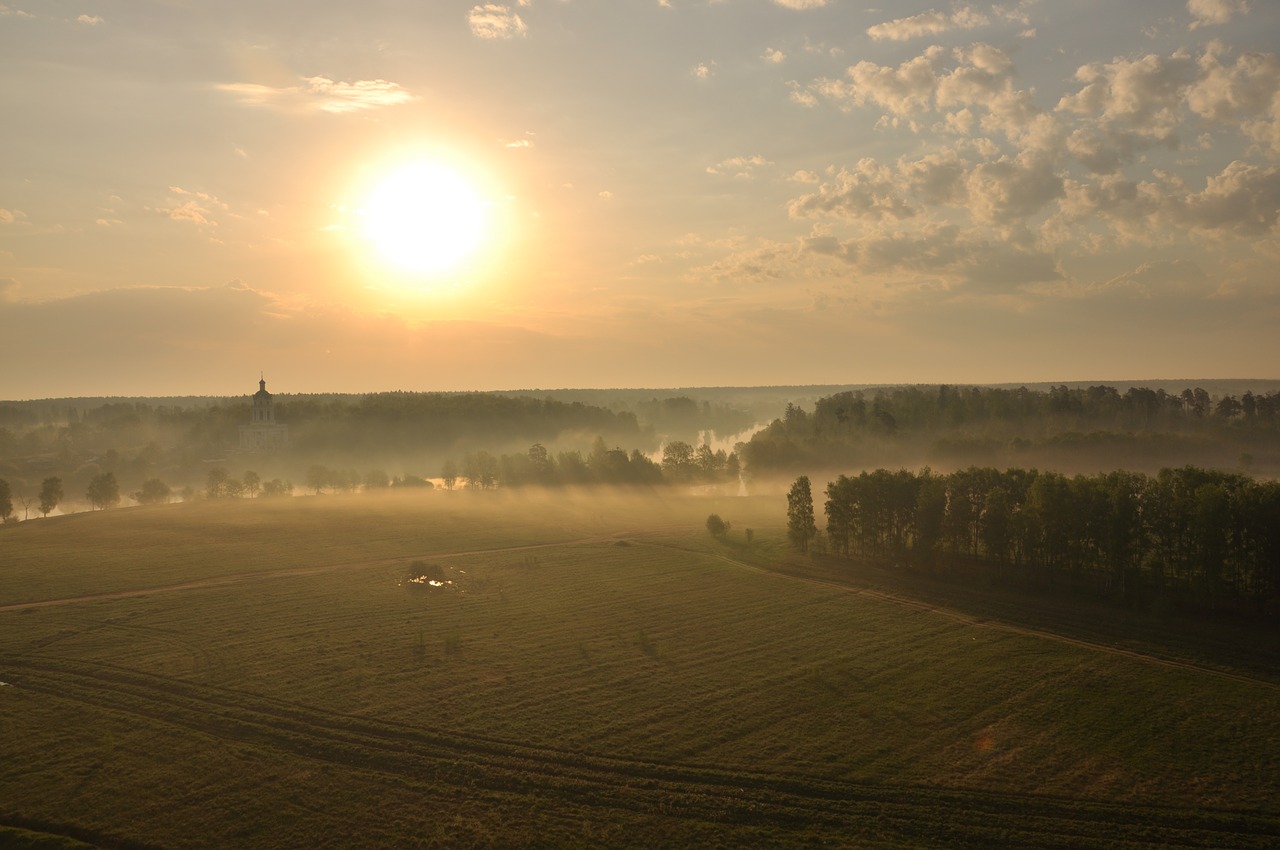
point(322, 94)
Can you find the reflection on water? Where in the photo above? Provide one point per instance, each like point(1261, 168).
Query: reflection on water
point(430, 582)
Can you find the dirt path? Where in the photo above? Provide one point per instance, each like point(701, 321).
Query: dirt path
point(240, 578)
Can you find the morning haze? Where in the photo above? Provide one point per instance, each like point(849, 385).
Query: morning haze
point(655, 423)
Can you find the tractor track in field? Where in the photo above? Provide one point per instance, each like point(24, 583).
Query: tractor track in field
point(637, 538)
point(980, 622)
point(441, 759)
point(290, 572)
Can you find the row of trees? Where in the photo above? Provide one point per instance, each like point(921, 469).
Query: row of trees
point(1203, 536)
point(103, 492)
point(975, 420)
point(681, 463)
point(48, 499)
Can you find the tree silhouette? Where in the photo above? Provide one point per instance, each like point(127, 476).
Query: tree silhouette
point(50, 494)
point(104, 491)
point(800, 525)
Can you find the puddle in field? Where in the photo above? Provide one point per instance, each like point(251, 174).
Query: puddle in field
point(431, 577)
point(431, 582)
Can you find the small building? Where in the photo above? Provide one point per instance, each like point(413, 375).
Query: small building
point(263, 433)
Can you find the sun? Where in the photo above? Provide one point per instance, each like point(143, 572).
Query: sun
point(425, 217)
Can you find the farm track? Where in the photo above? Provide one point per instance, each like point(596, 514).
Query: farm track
point(882, 815)
point(266, 575)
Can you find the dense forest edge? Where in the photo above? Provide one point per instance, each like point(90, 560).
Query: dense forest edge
point(1184, 539)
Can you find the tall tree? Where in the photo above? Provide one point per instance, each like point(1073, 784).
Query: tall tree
point(50, 494)
point(449, 474)
point(6, 501)
point(800, 525)
point(252, 483)
point(153, 492)
point(104, 491)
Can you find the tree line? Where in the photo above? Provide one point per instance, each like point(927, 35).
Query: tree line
point(682, 463)
point(1201, 537)
point(947, 422)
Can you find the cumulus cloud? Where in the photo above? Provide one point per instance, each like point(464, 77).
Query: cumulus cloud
point(7, 12)
point(1212, 12)
point(739, 167)
point(1244, 93)
point(703, 70)
point(495, 21)
point(868, 191)
point(932, 22)
point(89, 20)
point(1243, 199)
point(801, 4)
point(900, 90)
point(322, 94)
point(1009, 189)
point(1141, 95)
point(775, 57)
point(957, 257)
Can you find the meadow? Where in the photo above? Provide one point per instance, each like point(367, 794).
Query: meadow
point(591, 669)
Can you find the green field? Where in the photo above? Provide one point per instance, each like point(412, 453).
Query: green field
point(593, 671)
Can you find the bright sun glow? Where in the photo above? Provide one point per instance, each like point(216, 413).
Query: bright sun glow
point(425, 218)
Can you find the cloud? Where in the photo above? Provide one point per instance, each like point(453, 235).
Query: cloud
point(739, 167)
point(322, 94)
point(1141, 96)
point(868, 191)
point(1009, 189)
point(872, 191)
point(703, 70)
point(1243, 199)
point(903, 90)
point(89, 20)
point(1244, 94)
point(932, 22)
point(496, 21)
point(1213, 12)
point(801, 4)
point(774, 57)
point(7, 12)
point(197, 208)
point(1156, 279)
point(957, 258)
point(8, 217)
point(770, 262)
point(1126, 106)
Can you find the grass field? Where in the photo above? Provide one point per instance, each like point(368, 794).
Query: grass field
point(593, 670)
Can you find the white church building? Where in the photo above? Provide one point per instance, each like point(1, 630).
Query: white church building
point(263, 433)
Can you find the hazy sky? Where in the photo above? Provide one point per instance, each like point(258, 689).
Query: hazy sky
point(673, 193)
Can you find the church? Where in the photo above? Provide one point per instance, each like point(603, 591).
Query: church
point(263, 433)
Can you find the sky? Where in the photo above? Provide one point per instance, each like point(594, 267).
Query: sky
point(637, 193)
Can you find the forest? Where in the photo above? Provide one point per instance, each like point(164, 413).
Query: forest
point(1189, 537)
point(155, 450)
point(1087, 429)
